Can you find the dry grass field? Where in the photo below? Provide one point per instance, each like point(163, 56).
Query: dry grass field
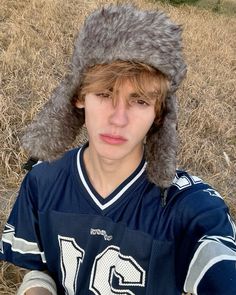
point(36, 40)
point(222, 6)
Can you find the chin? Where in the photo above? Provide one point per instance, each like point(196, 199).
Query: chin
point(114, 154)
point(119, 152)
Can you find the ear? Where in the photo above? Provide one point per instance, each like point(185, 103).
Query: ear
point(79, 104)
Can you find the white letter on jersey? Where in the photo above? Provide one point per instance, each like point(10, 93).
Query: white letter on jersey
point(112, 263)
point(71, 258)
point(107, 265)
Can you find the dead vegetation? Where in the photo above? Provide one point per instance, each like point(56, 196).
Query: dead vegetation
point(36, 40)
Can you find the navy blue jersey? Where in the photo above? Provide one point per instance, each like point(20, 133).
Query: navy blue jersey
point(133, 242)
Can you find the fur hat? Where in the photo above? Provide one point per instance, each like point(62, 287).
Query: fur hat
point(115, 32)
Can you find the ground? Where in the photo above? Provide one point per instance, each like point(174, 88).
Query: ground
point(35, 45)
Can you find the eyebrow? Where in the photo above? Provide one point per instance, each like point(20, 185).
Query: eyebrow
point(150, 95)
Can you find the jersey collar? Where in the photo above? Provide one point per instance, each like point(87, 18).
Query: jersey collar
point(125, 187)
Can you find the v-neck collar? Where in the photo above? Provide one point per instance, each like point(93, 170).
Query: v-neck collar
point(118, 193)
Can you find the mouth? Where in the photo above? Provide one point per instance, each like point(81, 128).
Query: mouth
point(112, 139)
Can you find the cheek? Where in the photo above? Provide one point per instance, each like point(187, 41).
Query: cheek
point(144, 123)
point(88, 120)
point(93, 119)
point(148, 127)
point(151, 117)
point(148, 123)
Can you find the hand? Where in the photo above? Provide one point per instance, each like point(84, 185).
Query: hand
point(37, 282)
point(38, 291)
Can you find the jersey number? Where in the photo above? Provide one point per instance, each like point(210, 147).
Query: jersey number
point(107, 265)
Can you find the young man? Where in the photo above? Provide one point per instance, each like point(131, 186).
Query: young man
point(114, 216)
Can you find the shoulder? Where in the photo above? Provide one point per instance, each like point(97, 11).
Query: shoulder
point(186, 184)
point(47, 179)
point(192, 195)
point(48, 171)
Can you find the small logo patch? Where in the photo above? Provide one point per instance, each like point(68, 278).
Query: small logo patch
point(212, 193)
point(100, 232)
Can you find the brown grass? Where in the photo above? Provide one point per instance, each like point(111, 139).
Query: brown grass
point(36, 40)
point(224, 6)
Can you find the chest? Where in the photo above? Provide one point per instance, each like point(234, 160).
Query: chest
point(94, 255)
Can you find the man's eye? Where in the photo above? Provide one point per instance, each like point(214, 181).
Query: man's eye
point(142, 102)
point(103, 95)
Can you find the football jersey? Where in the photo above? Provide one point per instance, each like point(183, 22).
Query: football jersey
point(135, 241)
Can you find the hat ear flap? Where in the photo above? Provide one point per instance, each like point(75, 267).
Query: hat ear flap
point(161, 147)
point(56, 126)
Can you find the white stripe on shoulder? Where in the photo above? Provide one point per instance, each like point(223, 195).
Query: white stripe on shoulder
point(210, 252)
point(20, 245)
point(233, 227)
point(184, 181)
point(181, 182)
point(195, 179)
point(115, 198)
point(39, 162)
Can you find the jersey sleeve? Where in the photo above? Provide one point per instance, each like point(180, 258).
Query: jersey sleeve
point(208, 244)
point(20, 243)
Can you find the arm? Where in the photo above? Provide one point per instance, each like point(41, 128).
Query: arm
point(207, 245)
point(38, 291)
point(37, 283)
point(21, 242)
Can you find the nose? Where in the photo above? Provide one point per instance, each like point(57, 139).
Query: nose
point(119, 114)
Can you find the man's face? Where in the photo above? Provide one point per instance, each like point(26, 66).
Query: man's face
point(117, 124)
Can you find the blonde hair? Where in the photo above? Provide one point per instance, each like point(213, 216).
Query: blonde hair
point(144, 78)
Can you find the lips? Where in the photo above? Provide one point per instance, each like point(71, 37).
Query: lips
point(112, 139)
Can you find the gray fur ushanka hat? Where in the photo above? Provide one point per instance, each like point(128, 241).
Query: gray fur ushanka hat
point(115, 32)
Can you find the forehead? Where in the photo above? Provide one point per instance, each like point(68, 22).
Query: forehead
point(128, 88)
point(132, 87)
point(112, 77)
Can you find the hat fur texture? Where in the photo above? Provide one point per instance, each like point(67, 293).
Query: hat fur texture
point(115, 32)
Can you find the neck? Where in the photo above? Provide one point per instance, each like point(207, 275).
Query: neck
point(105, 174)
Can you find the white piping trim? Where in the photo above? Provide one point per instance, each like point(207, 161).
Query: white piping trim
point(20, 245)
point(208, 266)
point(196, 260)
point(233, 227)
point(181, 182)
point(114, 199)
